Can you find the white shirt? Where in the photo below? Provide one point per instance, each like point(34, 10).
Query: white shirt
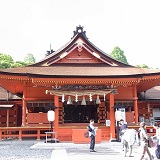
point(93, 132)
point(158, 133)
point(131, 136)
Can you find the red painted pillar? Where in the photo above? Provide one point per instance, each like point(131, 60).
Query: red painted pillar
point(0, 135)
point(20, 134)
point(135, 104)
point(56, 121)
point(24, 112)
point(112, 115)
point(24, 107)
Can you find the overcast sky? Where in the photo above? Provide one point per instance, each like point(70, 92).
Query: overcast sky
point(29, 26)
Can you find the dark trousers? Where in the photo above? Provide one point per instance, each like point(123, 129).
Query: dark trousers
point(92, 142)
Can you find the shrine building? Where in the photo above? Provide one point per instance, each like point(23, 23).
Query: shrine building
point(80, 82)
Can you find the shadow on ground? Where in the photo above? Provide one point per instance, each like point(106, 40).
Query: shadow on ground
point(99, 151)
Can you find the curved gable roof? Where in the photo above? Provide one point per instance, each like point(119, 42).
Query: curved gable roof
point(79, 42)
point(102, 65)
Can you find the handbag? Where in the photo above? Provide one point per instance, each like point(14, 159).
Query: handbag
point(86, 134)
point(150, 142)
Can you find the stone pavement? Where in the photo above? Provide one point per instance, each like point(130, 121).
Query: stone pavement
point(105, 150)
point(65, 151)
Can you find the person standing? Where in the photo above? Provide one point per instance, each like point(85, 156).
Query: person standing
point(123, 127)
point(92, 134)
point(157, 136)
point(144, 141)
point(130, 136)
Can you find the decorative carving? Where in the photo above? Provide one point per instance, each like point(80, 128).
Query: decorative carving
point(82, 87)
point(56, 87)
point(80, 45)
point(82, 90)
point(79, 30)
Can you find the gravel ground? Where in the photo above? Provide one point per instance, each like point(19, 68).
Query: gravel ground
point(23, 152)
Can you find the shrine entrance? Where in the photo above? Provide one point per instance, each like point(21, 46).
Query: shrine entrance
point(82, 102)
point(80, 113)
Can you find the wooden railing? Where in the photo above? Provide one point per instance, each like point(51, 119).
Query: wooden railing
point(20, 132)
point(64, 132)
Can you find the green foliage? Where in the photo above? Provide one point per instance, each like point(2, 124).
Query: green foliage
point(5, 64)
point(118, 54)
point(6, 61)
point(142, 66)
point(29, 59)
point(18, 64)
point(5, 57)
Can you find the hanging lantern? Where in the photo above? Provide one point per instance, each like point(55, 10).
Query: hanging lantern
point(63, 98)
point(46, 91)
point(76, 98)
point(90, 97)
point(83, 101)
point(104, 96)
point(98, 101)
point(69, 100)
point(50, 115)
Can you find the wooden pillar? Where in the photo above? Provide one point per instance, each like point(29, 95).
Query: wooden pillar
point(7, 111)
point(38, 134)
point(56, 122)
point(24, 112)
point(20, 134)
point(112, 115)
point(135, 105)
point(24, 107)
point(7, 117)
point(0, 135)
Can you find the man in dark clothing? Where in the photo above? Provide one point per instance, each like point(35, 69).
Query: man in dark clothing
point(92, 134)
point(123, 127)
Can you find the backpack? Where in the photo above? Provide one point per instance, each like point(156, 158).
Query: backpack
point(157, 151)
point(89, 128)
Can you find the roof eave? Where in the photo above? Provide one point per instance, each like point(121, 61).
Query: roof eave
point(85, 76)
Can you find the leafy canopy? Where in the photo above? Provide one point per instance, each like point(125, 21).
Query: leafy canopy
point(118, 54)
point(6, 61)
point(142, 66)
point(29, 59)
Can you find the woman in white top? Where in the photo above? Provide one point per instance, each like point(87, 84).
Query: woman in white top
point(130, 137)
point(144, 141)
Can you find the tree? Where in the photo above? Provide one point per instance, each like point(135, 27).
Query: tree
point(142, 66)
point(5, 60)
point(118, 54)
point(6, 57)
point(29, 59)
point(18, 64)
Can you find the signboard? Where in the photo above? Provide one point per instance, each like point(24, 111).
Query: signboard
point(120, 114)
point(108, 122)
